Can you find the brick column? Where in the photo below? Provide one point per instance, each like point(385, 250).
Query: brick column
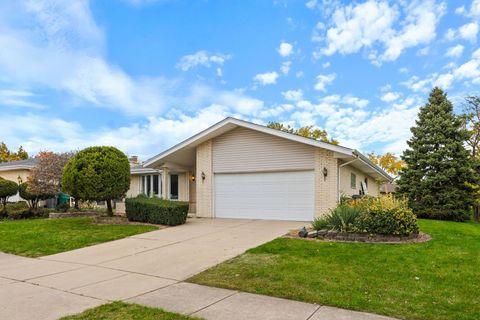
point(326, 188)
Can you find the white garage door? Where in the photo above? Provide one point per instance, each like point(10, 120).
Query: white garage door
point(272, 195)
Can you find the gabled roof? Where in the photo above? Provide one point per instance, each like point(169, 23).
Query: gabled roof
point(230, 123)
point(27, 164)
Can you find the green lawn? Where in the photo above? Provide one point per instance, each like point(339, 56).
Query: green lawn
point(439, 279)
point(40, 237)
point(125, 311)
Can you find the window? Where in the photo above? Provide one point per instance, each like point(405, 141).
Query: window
point(353, 180)
point(174, 186)
point(151, 185)
point(156, 185)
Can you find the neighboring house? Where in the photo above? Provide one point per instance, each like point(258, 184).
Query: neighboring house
point(238, 169)
point(17, 171)
point(389, 187)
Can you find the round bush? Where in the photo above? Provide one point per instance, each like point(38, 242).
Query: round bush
point(385, 215)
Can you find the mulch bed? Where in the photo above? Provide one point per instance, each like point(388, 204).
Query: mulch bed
point(122, 220)
point(360, 237)
point(61, 215)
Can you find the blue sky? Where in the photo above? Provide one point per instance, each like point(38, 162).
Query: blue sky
point(142, 74)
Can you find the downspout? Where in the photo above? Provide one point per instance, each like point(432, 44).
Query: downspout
point(338, 174)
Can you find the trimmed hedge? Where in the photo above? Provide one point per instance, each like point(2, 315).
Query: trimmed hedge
point(156, 211)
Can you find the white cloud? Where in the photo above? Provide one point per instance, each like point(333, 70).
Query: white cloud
point(293, 95)
point(469, 31)
point(390, 96)
point(455, 51)
point(276, 111)
point(460, 10)
point(285, 49)
point(134, 139)
point(325, 65)
point(285, 67)
point(19, 99)
point(323, 80)
point(58, 46)
point(475, 8)
point(201, 58)
point(266, 78)
point(372, 22)
point(451, 34)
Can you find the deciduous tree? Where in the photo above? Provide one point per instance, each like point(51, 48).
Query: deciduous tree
point(6, 155)
point(388, 162)
point(306, 131)
point(46, 176)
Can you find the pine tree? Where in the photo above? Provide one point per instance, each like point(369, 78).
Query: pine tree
point(438, 170)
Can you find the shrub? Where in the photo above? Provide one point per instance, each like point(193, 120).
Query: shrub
point(155, 210)
point(97, 173)
point(62, 207)
point(342, 218)
point(7, 189)
point(385, 215)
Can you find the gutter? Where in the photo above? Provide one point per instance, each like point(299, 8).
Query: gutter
point(367, 161)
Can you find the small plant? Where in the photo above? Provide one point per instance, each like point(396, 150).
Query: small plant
point(342, 218)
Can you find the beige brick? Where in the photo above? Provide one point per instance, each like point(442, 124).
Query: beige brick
point(325, 187)
point(204, 206)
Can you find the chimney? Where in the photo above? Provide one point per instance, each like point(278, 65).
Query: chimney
point(133, 160)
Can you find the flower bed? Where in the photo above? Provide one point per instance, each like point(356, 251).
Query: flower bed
point(332, 235)
point(382, 219)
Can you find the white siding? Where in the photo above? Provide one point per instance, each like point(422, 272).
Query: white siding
point(245, 150)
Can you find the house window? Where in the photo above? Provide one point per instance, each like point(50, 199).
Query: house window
point(174, 186)
point(353, 180)
point(151, 185)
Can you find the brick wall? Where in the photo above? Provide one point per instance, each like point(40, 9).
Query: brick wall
point(325, 187)
point(204, 206)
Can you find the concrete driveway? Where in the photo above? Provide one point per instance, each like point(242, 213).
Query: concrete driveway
point(70, 282)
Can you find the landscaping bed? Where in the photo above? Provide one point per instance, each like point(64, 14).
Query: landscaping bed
point(333, 235)
point(59, 215)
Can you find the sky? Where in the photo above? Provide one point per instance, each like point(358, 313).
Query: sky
point(143, 75)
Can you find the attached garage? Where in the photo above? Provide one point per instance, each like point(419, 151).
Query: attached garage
point(265, 195)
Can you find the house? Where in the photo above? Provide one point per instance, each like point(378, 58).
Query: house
point(17, 171)
point(238, 169)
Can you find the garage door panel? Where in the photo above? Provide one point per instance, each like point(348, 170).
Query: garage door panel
point(272, 195)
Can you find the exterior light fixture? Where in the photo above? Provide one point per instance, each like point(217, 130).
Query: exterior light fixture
point(193, 178)
point(325, 173)
point(203, 176)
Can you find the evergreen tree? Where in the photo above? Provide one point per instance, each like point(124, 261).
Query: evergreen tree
point(438, 167)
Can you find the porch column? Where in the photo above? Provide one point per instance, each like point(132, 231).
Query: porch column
point(165, 188)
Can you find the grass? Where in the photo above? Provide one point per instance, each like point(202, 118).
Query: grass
point(439, 279)
point(40, 237)
point(126, 311)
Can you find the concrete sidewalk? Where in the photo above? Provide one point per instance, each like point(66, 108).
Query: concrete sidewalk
point(217, 304)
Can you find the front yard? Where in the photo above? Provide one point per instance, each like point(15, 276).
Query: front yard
point(439, 279)
point(40, 237)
